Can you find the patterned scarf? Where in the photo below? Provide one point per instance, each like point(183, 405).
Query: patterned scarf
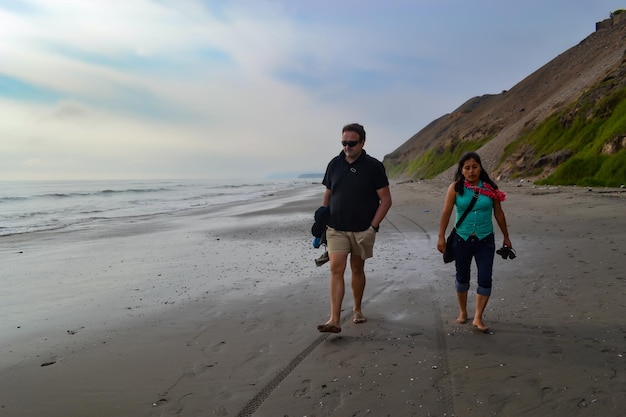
point(489, 191)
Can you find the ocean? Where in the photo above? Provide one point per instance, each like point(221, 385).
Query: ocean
point(32, 206)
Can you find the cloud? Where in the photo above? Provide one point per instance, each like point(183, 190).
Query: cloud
point(190, 88)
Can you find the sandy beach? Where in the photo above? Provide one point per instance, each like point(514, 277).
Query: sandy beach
point(215, 314)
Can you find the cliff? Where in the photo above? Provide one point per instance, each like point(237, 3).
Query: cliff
point(579, 91)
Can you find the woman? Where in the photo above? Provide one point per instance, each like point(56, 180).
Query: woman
point(475, 237)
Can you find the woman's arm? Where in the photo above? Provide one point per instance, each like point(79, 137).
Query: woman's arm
point(501, 220)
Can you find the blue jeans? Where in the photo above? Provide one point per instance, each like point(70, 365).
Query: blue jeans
point(483, 252)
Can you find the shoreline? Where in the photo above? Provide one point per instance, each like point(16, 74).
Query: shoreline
point(221, 320)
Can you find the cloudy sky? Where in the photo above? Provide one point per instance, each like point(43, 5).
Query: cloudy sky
point(135, 89)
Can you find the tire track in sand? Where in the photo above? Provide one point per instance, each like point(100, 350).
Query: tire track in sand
point(440, 336)
point(265, 392)
point(447, 386)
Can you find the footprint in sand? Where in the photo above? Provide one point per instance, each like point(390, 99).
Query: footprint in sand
point(258, 351)
point(219, 347)
point(304, 390)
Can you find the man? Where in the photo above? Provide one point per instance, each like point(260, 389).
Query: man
point(358, 197)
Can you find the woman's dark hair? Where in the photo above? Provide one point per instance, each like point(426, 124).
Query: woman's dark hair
point(459, 178)
point(356, 128)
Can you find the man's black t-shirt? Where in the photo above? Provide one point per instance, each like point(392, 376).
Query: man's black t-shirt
point(353, 198)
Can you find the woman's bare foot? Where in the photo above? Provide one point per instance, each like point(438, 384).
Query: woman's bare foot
point(462, 319)
point(478, 323)
point(358, 318)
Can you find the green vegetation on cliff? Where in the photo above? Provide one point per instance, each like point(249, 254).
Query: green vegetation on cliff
point(435, 160)
point(593, 130)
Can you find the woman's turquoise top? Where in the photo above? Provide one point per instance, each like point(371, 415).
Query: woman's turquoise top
point(478, 221)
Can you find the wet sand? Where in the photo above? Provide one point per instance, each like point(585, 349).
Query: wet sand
point(215, 314)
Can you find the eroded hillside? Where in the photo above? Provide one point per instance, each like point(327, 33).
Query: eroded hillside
point(494, 125)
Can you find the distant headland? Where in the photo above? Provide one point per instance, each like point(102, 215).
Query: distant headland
point(297, 175)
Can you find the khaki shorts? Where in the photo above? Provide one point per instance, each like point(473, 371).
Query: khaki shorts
point(357, 243)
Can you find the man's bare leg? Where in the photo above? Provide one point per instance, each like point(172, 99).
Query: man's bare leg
point(357, 265)
point(338, 263)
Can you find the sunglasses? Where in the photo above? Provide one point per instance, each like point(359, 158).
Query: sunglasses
point(350, 143)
